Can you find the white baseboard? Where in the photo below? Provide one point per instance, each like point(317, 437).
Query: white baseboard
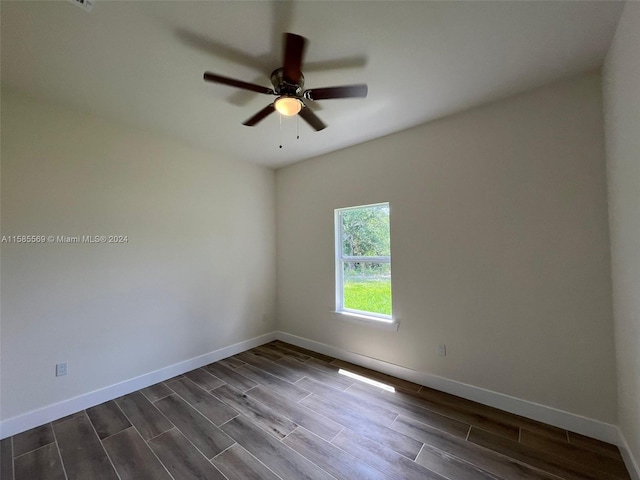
point(633, 464)
point(576, 423)
point(569, 421)
point(34, 418)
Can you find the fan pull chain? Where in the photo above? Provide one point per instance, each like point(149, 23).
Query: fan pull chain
point(297, 127)
point(280, 115)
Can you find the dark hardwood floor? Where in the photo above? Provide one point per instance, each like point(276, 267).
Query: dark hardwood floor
point(282, 412)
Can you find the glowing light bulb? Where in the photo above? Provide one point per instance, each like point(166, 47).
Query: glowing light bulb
point(288, 106)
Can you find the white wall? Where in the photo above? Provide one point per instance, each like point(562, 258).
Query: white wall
point(499, 243)
point(622, 113)
point(197, 273)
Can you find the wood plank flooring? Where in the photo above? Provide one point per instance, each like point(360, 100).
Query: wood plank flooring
point(282, 412)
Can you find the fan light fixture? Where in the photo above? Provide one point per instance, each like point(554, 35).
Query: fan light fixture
point(288, 106)
point(288, 87)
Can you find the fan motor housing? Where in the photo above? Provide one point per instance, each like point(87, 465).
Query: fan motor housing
point(282, 87)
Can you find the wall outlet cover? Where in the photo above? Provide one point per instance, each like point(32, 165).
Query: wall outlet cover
point(61, 369)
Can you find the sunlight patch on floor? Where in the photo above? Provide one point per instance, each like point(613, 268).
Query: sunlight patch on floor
point(370, 381)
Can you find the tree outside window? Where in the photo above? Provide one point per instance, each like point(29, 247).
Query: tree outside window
point(363, 260)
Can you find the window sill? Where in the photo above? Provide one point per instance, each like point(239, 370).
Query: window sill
point(376, 322)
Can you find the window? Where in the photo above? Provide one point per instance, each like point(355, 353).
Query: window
point(363, 261)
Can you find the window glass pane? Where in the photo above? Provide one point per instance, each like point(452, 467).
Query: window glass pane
point(365, 231)
point(367, 287)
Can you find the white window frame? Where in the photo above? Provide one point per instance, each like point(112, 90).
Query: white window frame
point(358, 316)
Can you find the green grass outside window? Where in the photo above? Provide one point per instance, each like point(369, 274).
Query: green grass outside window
point(368, 296)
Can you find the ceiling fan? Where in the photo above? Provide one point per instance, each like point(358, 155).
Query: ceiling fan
point(288, 84)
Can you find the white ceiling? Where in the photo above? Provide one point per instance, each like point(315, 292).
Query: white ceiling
point(141, 63)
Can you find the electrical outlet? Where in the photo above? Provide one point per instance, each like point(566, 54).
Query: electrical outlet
point(442, 350)
point(61, 369)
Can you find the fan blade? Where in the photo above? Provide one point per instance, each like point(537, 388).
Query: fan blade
point(346, 91)
point(293, 52)
point(312, 119)
point(269, 109)
point(232, 82)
